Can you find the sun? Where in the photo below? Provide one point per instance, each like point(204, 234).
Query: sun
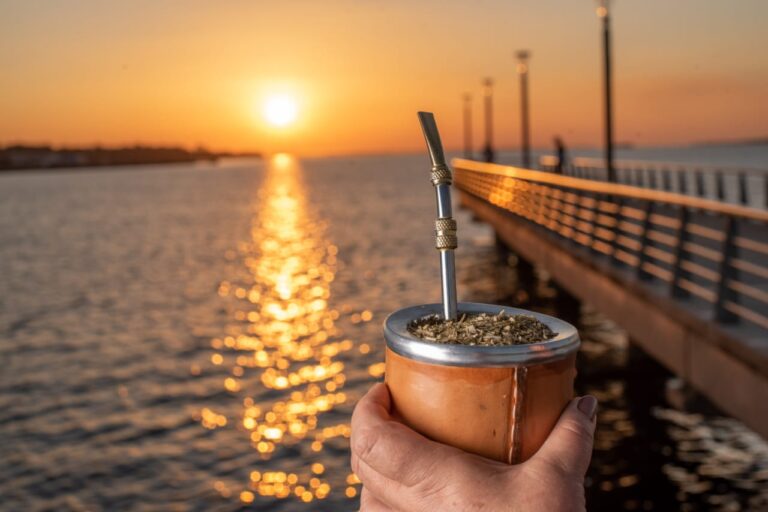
point(280, 110)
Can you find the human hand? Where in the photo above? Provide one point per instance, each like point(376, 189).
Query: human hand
point(402, 470)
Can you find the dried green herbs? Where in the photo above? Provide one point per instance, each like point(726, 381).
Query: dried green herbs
point(482, 329)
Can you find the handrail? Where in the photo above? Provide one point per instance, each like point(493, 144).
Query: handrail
point(704, 251)
point(581, 161)
point(616, 189)
point(739, 185)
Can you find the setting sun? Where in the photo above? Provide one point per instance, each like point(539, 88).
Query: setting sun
point(280, 110)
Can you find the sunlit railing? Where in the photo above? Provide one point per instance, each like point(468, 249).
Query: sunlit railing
point(734, 185)
point(711, 254)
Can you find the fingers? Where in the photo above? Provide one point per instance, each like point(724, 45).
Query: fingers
point(569, 446)
point(395, 463)
point(390, 448)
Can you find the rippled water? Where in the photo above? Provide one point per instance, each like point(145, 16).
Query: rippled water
point(194, 338)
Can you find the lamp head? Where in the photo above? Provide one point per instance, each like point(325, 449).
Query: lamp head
point(522, 60)
point(488, 86)
point(602, 8)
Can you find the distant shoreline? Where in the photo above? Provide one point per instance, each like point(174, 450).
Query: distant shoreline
point(735, 142)
point(23, 158)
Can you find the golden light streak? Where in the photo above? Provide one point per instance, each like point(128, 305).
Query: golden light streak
point(285, 339)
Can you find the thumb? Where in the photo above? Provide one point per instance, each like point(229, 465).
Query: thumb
point(569, 446)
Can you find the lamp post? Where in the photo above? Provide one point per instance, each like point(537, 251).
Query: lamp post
point(488, 152)
point(522, 70)
point(603, 14)
point(467, 99)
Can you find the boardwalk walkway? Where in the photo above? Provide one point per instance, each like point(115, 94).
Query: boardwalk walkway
point(686, 277)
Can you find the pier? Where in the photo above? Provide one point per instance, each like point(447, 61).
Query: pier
point(684, 275)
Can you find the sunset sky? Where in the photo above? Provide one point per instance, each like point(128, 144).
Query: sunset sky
point(198, 72)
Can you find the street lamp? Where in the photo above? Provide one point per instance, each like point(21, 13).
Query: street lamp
point(522, 70)
point(488, 152)
point(604, 15)
point(467, 98)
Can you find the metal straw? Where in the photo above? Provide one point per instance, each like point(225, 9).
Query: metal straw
point(445, 226)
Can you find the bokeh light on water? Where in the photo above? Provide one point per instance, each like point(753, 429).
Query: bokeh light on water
point(283, 338)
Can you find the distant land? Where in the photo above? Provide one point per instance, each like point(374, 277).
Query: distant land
point(760, 141)
point(45, 157)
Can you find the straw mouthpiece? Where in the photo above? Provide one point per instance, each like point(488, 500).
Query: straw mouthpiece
point(432, 138)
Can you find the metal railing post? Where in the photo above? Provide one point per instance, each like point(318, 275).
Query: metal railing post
point(680, 256)
point(616, 229)
point(666, 181)
point(642, 258)
point(700, 189)
point(727, 273)
point(719, 185)
point(743, 199)
point(652, 178)
point(639, 181)
point(593, 223)
point(765, 190)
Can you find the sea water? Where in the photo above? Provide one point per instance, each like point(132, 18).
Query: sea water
point(194, 337)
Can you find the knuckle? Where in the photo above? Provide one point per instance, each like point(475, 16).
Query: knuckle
point(579, 430)
point(364, 442)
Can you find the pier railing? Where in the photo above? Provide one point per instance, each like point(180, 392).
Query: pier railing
point(709, 254)
point(734, 185)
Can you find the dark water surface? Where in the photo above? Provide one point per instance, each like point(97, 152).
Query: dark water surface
point(194, 338)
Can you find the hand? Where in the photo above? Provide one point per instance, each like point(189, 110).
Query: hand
point(402, 470)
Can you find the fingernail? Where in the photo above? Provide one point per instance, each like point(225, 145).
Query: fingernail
point(588, 405)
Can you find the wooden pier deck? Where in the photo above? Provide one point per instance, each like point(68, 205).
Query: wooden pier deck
point(686, 277)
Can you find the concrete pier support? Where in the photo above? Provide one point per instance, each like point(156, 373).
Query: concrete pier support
point(567, 305)
point(526, 275)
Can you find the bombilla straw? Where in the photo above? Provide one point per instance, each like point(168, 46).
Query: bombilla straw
point(445, 225)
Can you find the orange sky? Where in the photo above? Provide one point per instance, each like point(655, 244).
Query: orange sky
point(195, 72)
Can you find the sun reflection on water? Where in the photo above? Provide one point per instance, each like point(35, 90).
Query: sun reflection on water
point(284, 339)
